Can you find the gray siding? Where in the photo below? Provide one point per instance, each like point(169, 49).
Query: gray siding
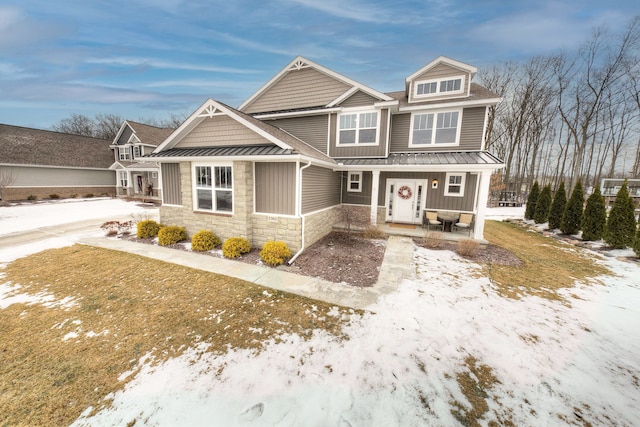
point(320, 189)
point(171, 191)
point(359, 99)
point(29, 176)
point(379, 150)
point(126, 134)
point(220, 131)
point(298, 89)
point(311, 129)
point(353, 198)
point(437, 72)
point(470, 133)
point(275, 185)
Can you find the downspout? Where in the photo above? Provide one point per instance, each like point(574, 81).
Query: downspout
point(293, 258)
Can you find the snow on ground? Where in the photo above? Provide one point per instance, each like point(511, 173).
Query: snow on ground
point(554, 362)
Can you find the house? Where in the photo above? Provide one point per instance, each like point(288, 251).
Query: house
point(40, 163)
point(611, 186)
point(311, 144)
point(136, 176)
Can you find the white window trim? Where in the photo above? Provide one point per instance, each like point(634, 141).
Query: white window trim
point(349, 181)
point(124, 181)
point(435, 120)
point(356, 143)
point(437, 93)
point(462, 184)
point(126, 150)
point(139, 149)
point(194, 187)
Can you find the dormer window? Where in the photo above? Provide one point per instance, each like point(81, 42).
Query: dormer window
point(136, 151)
point(124, 153)
point(444, 86)
point(358, 128)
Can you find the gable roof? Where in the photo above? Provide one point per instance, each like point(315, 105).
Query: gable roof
point(299, 63)
point(444, 60)
point(477, 95)
point(27, 146)
point(147, 134)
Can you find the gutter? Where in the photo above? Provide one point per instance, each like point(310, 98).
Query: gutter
point(293, 258)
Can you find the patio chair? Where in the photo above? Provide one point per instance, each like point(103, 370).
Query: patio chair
point(465, 222)
point(430, 219)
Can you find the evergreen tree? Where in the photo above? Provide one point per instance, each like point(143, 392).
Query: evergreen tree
point(594, 219)
point(636, 243)
point(543, 205)
point(532, 200)
point(572, 216)
point(621, 225)
point(557, 207)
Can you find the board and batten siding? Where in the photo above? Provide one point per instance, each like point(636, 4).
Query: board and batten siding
point(435, 197)
point(438, 72)
point(359, 99)
point(220, 131)
point(357, 198)
point(302, 88)
point(275, 187)
point(320, 189)
point(356, 150)
point(171, 191)
point(470, 133)
point(310, 129)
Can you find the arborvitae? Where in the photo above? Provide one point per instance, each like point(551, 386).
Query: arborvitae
point(594, 219)
point(557, 207)
point(636, 243)
point(532, 200)
point(543, 205)
point(621, 225)
point(572, 216)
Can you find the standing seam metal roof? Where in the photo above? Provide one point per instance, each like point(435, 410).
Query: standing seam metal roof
point(428, 159)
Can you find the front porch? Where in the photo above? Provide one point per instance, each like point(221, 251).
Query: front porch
point(413, 231)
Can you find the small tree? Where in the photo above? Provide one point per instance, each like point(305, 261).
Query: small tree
point(621, 225)
point(557, 207)
point(543, 205)
point(572, 217)
point(532, 200)
point(7, 178)
point(594, 219)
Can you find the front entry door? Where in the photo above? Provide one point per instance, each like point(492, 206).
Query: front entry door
point(404, 201)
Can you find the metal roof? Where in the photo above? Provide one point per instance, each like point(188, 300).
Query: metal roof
point(236, 150)
point(427, 159)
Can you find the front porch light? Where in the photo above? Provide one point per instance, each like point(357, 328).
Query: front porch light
point(434, 184)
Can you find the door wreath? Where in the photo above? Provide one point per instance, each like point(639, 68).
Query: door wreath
point(405, 192)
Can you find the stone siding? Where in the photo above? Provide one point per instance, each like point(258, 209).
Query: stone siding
point(319, 224)
point(285, 229)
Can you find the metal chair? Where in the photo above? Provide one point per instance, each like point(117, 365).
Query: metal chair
point(430, 218)
point(464, 222)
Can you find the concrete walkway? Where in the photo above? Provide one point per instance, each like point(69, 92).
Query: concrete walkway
point(396, 266)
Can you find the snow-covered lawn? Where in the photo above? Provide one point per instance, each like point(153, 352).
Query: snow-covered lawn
point(553, 362)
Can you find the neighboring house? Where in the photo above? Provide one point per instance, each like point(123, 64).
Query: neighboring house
point(40, 163)
point(611, 186)
point(311, 144)
point(136, 176)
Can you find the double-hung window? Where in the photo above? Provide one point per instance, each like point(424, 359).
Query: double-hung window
point(214, 188)
point(435, 128)
point(123, 179)
point(124, 153)
point(354, 183)
point(136, 151)
point(454, 184)
point(358, 128)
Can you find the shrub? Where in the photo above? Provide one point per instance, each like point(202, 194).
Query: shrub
point(233, 247)
point(32, 197)
point(54, 196)
point(371, 232)
point(572, 217)
point(148, 228)
point(171, 234)
point(557, 207)
point(433, 240)
point(88, 195)
point(543, 205)
point(468, 248)
point(636, 243)
point(621, 225)
point(73, 196)
point(274, 253)
point(594, 218)
point(110, 227)
point(204, 240)
point(532, 200)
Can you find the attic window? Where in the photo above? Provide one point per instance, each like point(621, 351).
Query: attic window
point(447, 85)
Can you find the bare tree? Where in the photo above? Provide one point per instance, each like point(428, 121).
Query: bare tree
point(77, 124)
point(7, 178)
point(106, 126)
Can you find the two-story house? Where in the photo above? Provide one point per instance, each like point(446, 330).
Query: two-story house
point(310, 141)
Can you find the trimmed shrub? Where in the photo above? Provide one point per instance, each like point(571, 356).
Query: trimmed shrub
point(557, 207)
point(88, 195)
point(621, 225)
point(275, 253)
point(234, 247)
point(572, 217)
point(468, 248)
point(32, 197)
point(594, 218)
point(171, 234)
point(54, 196)
point(543, 205)
point(371, 232)
point(204, 240)
point(148, 228)
point(532, 200)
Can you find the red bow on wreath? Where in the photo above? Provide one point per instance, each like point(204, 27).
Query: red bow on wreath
point(404, 192)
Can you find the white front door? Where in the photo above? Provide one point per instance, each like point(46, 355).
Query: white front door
point(404, 201)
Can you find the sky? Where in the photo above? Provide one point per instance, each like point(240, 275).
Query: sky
point(144, 59)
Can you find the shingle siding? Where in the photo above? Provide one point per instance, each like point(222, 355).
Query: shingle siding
point(220, 131)
point(359, 99)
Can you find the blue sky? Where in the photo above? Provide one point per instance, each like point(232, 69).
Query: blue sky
point(151, 58)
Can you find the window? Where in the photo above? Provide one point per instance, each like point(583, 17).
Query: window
point(454, 184)
point(124, 153)
point(450, 85)
point(426, 88)
point(136, 151)
point(445, 86)
point(214, 188)
point(354, 183)
point(358, 128)
point(435, 128)
point(123, 179)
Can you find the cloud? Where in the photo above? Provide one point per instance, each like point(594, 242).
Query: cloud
point(131, 61)
point(355, 10)
point(18, 31)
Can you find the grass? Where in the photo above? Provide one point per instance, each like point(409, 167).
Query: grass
point(548, 265)
point(55, 361)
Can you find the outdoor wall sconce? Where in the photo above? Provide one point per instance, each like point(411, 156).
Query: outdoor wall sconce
point(434, 184)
